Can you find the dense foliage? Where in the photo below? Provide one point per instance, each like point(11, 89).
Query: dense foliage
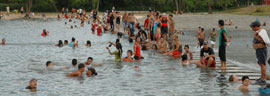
point(161, 5)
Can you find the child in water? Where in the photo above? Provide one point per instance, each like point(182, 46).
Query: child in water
point(129, 56)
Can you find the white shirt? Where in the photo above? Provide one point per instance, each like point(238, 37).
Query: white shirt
point(263, 34)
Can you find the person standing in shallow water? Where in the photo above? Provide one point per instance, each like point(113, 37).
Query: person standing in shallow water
point(222, 43)
point(260, 41)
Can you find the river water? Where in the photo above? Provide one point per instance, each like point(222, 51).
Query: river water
point(26, 53)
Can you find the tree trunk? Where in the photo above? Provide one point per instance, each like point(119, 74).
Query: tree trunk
point(28, 5)
point(93, 4)
point(177, 6)
point(209, 8)
point(98, 4)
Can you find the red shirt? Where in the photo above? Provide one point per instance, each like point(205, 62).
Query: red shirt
point(99, 30)
point(146, 23)
point(138, 50)
point(94, 26)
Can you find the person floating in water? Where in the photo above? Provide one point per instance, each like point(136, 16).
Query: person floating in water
point(73, 67)
point(44, 33)
point(32, 85)
point(88, 43)
point(60, 43)
point(3, 41)
point(79, 72)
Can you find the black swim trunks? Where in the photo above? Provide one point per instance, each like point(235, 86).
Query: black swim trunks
point(222, 53)
point(261, 55)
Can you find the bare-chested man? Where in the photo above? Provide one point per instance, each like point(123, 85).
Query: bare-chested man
point(132, 19)
point(172, 25)
point(201, 36)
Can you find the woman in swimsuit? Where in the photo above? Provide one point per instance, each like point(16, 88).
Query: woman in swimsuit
point(158, 33)
point(137, 49)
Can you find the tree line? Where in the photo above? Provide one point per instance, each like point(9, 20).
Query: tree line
point(126, 5)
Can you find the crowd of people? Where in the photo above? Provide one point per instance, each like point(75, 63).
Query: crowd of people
point(157, 33)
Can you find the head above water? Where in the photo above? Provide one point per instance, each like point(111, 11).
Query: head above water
point(66, 42)
point(74, 62)
point(233, 78)
point(60, 43)
point(48, 63)
point(91, 71)
point(129, 52)
point(33, 83)
point(81, 67)
point(73, 39)
point(184, 57)
point(244, 78)
point(88, 43)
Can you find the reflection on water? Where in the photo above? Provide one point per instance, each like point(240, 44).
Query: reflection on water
point(26, 52)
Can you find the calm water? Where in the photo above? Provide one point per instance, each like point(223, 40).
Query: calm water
point(26, 52)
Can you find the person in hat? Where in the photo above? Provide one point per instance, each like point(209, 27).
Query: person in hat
point(260, 41)
point(207, 56)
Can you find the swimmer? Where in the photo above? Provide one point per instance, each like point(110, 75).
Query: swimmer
point(44, 33)
point(88, 43)
point(91, 72)
point(245, 83)
point(185, 60)
point(118, 53)
point(89, 61)
point(129, 56)
point(60, 43)
point(73, 67)
point(3, 41)
point(71, 27)
point(233, 78)
point(73, 44)
point(79, 72)
point(49, 64)
point(66, 42)
point(32, 85)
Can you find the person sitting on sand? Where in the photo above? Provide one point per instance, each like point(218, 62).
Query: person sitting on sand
point(79, 72)
point(245, 83)
point(88, 43)
point(3, 41)
point(60, 43)
point(129, 56)
point(73, 67)
point(73, 44)
point(91, 72)
point(44, 33)
point(188, 53)
point(32, 85)
point(118, 53)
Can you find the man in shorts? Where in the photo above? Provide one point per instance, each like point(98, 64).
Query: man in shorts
point(207, 56)
point(260, 41)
